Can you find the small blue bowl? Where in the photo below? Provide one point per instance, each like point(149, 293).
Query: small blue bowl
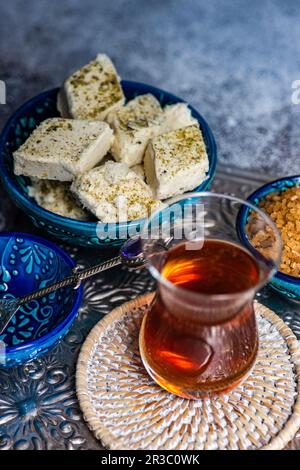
point(289, 286)
point(29, 263)
point(92, 233)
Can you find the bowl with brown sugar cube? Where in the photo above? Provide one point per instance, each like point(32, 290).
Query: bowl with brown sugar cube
point(280, 199)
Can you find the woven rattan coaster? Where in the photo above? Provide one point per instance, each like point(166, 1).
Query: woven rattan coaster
point(126, 410)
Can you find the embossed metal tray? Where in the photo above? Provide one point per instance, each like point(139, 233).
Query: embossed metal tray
point(38, 404)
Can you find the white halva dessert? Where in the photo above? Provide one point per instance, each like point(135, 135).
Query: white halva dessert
point(176, 162)
point(55, 196)
point(163, 146)
point(92, 92)
point(60, 148)
point(133, 126)
point(176, 116)
point(114, 193)
point(139, 170)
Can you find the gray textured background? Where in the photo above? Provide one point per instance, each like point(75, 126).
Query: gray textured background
point(233, 60)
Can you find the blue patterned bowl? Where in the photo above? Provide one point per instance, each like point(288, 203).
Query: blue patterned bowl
point(289, 286)
point(19, 127)
point(29, 263)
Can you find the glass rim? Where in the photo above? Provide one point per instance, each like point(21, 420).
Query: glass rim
point(216, 297)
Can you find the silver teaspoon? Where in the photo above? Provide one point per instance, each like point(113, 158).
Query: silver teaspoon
point(130, 255)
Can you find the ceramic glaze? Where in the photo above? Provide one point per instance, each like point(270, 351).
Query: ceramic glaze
point(289, 286)
point(28, 263)
point(80, 233)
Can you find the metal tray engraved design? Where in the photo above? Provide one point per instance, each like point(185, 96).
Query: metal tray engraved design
point(38, 405)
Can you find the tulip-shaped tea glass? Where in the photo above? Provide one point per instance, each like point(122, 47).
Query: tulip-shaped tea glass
point(199, 335)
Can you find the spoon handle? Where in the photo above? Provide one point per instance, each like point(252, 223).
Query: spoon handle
point(75, 279)
point(130, 255)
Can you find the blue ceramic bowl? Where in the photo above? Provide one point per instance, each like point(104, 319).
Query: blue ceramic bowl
point(287, 285)
point(29, 263)
point(19, 127)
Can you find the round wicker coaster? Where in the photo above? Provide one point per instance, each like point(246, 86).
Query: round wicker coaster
point(127, 410)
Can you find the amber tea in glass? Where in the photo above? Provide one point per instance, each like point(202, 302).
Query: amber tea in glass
point(199, 335)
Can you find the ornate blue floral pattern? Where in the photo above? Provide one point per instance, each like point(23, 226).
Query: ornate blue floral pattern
point(27, 264)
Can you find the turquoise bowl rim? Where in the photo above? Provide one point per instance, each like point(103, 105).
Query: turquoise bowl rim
point(45, 341)
point(259, 194)
point(90, 227)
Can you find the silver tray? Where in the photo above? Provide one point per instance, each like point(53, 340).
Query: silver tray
point(38, 405)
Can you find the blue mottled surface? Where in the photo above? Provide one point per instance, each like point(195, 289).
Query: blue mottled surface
point(234, 61)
